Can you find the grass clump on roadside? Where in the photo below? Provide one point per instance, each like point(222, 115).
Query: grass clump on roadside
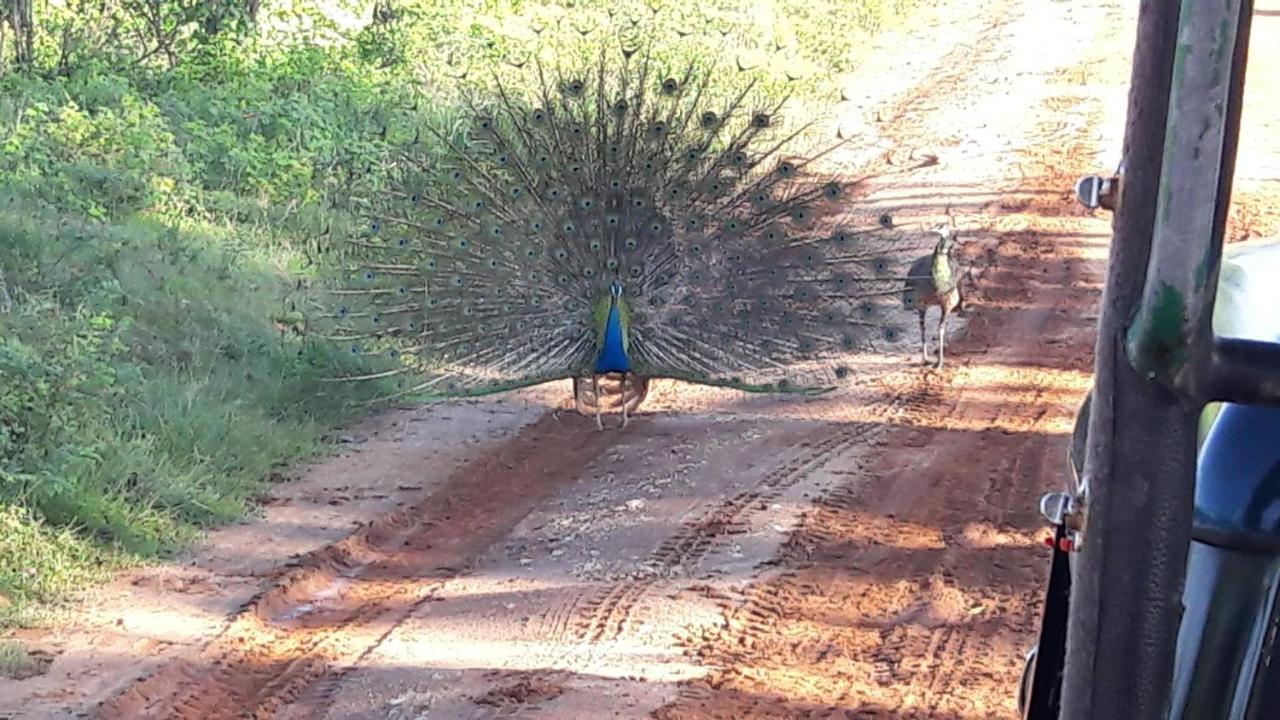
point(15, 662)
point(39, 564)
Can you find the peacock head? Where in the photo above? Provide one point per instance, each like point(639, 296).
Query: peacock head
point(615, 289)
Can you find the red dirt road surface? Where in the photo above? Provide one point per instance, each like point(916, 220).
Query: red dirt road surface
point(869, 554)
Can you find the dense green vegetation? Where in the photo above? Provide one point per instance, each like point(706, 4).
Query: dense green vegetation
point(168, 174)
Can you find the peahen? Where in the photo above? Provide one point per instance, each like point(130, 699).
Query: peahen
point(610, 221)
point(934, 280)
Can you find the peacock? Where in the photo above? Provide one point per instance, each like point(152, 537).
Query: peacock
point(613, 218)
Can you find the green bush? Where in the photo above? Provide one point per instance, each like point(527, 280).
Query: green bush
point(149, 382)
point(176, 144)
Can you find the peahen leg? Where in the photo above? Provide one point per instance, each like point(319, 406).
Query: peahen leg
point(595, 389)
point(942, 334)
point(924, 349)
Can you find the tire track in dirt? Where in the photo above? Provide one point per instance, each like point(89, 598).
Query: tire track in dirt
point(338, 603)
point(604, 616)
point(560, 623)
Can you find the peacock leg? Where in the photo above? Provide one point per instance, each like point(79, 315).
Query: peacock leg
point(595, 389)
point(924, 348)
point(623, 395)
point(638, 389)
point(579, 397)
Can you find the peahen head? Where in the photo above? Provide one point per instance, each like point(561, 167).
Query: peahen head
point(946, 232)
point(947, 241)
point(946, 235)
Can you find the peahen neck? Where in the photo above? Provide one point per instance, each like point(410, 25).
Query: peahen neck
point(941, 269)
point(613, 352)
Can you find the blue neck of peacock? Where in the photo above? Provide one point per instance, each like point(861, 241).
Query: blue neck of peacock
point(613, 354)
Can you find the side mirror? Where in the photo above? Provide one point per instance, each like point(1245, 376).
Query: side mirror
point(1097, 192)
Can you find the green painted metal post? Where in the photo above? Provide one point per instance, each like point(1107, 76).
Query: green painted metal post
point(1174, 319)
point(1155, 350)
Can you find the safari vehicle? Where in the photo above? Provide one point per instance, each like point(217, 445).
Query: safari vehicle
point(1165, 571)
point(1227, 632)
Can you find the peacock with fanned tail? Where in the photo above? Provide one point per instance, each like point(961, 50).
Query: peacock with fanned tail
point(611, 222)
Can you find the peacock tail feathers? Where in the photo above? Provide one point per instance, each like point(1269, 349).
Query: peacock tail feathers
point(485, 262)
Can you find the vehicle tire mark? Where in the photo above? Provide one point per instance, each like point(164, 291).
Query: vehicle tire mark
point(606, 614)
point(338, 603)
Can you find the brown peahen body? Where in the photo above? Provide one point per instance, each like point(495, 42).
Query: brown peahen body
point(933, 281)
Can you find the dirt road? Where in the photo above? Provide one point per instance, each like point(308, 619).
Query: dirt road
point(870, 554)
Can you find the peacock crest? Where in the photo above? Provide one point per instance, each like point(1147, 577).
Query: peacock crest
point(609, 212)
